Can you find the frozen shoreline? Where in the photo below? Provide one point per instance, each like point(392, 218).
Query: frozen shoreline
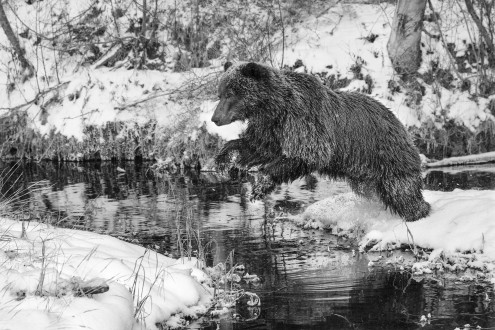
point(144, 287)
point(460, 226)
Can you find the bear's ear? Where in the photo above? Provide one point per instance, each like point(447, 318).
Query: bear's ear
point(255, 71)
point(227, 65)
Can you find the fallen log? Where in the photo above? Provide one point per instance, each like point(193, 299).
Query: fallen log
point(487, 157)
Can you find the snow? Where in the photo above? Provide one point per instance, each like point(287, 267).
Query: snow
point(460, 105)
point(166, 289)
point(336, 39)
point(486, 157)
point(94, 97)
point(460, 221)
point(333, 38)
point(226, 132)
point(457, 236)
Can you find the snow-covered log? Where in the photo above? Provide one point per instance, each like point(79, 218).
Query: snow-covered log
point(487, 157)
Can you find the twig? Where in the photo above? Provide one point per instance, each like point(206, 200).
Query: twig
point(283, 34)
point(133, 104)
point(180, 89)
point(476, 54)
point(409, 234)
point(431, 35)
point(115, 19)
point(48, 149)
point(82, 114)
point(39, 289)
point(481, 28)
point(337, 24)
point(326, 10)
point(343, 317)
point(385, 14)
point(444, 43)
point(90, 7)
point(36, 98)
point(54, 53)
point(143, 35)
point(269, 43)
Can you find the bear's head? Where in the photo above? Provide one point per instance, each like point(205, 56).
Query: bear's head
point(243, 88)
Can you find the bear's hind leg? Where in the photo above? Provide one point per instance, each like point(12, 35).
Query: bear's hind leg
point(404, 197)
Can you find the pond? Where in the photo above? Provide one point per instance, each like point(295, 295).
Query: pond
point(309, 278)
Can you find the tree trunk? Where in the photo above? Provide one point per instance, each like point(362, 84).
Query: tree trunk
point(7, 29)
point(405, 38)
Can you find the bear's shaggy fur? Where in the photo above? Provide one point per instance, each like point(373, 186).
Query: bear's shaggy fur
point(297, 126)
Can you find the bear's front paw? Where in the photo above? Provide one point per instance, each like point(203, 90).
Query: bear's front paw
point(225, 160)
point(221, 166)
point(263, 186)
point(222, 162)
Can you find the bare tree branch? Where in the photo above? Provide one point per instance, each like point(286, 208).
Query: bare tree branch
point(7, 29)
point(444, 43)
point(484, 33)
point(36, 98)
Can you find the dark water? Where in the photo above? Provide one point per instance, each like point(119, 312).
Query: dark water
point(480, 177)
point(310, 279)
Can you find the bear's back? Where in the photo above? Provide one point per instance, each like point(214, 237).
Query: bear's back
point(375, 131)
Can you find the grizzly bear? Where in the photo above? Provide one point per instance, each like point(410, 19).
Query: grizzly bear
point(297, 126)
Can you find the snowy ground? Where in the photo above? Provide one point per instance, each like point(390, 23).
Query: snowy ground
point(333, 39)
point(461, 224)
point(144, 288)
point(337, 39)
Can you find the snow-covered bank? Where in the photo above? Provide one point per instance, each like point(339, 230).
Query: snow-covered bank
point(44, 270)
point(461, 221)
point(75, 109)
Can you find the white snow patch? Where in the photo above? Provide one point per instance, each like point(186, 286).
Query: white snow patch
point(227, 132)
point(355, 86)
point(338, 38)
point(333, 40)
point(165, 286)
point(461, 220)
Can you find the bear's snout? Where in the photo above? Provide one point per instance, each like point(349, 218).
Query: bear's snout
point(218, 119)
point(223, 114)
